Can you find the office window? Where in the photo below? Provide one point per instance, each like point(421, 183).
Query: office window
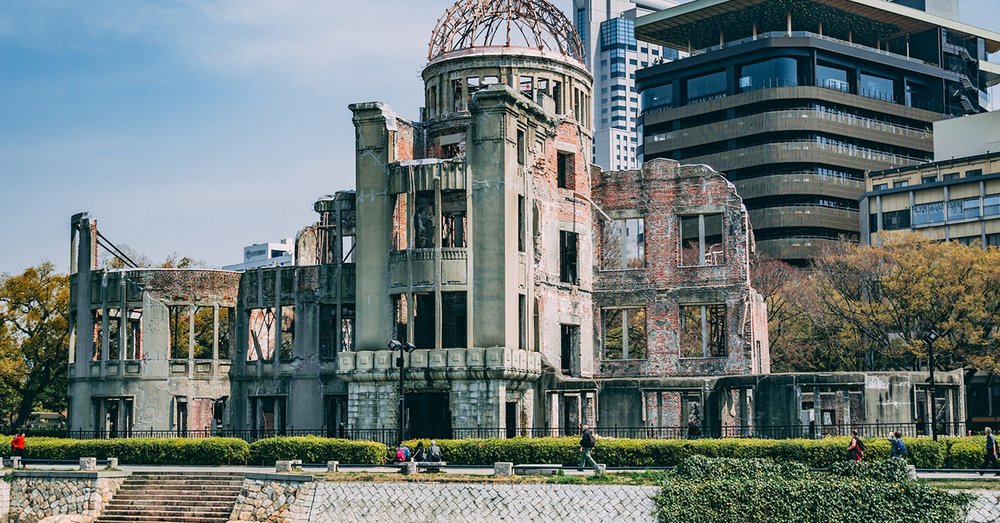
point(662, 96)
point(623, 244)
point(777, 72)
point(900, 183)
point(896, 220)
point(973, 172)
point(991, 205)
point(877, 87)
point(707, 87)
point(624, 333)
point(703, 331)
point(880, 186)
point(926, 213)
point(928, 179)
point(963, 209)
point(950, 176)
point(701, 240)
point(832, 78)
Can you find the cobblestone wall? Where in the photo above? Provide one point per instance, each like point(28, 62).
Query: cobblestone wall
point(986, 507)
point(477, 502)
point(35, 496)
point(264, 500)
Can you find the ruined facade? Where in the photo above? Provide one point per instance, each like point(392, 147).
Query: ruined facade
point(540, 293)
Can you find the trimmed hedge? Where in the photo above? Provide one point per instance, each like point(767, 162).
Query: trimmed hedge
point(141, 451)
point(313, 449)
point(964, 453)
point(821, 453)
point(723, 490)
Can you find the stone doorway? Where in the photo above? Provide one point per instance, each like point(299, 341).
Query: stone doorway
point(428, 415)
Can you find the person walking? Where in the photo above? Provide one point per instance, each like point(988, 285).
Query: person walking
point(990, 459)
point(897, 447)
point(587, 442)
point(856, 451)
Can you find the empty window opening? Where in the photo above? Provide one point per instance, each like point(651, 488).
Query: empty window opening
point(423, 320)
point(472, 86)
point(521, 224)
point(268, 288)
point(557, 96)
point(423, 220)
point(400, 315)
point(565, 169)
point(114, 334)
point(327, 331)
point(347, 328)
point(701, 240)
point(287, 332)
point(623, 244)
point(347, 248)
point(335, 415)
point(453, 320)
point(98, 335)
point(204, 333)
point(536, 326)
point(453, 219)
point(179, 319)
point(703, 331)
point(268, 413)
point(226, 326)
point(457, 100)
point(522, 152)
point(261, 324)
point(400, 223)
point(522, 322)
point(568, 257)
point(624, 333)
point(528, 87)
point(569, 347)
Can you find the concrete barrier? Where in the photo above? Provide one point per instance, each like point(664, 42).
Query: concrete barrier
point(503, 469)
point(88, 464)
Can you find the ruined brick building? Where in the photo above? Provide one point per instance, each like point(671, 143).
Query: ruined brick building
point(540, 293)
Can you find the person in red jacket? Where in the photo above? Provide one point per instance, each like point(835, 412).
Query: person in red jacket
point(856, 451)
point(17, 446)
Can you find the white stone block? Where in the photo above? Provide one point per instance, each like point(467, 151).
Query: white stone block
point(112, 463)
point(503, 468)
point(88, 463)
point(332, 466)
point(409, 467)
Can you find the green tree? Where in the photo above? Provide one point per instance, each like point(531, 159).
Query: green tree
point(34, 333)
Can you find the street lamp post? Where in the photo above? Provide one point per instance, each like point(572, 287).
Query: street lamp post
point(402, 347)
point(931, 336)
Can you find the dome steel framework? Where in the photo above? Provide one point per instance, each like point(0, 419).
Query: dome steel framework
point(533, 24)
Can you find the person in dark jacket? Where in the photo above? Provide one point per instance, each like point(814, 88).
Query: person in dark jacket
point(990, 460)
point(587, 442)
point(418, 452)
point(856, 451)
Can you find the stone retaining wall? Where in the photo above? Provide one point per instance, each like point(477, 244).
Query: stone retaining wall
point(477, 502)
point(35, 495)
point(274, 498)
point(986, 507)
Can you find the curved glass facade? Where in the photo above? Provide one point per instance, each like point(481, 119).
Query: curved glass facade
point(776, 72)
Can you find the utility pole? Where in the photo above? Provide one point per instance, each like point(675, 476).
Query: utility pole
point(401, 414)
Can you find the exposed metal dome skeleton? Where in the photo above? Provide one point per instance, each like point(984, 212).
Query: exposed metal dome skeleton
point(534, 24)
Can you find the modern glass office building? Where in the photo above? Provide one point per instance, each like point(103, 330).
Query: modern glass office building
point(796, 99)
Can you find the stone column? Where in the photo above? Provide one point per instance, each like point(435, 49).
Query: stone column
point(818, 411)
point(847, 411)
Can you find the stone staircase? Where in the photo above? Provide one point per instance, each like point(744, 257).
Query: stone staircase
point(203, 497)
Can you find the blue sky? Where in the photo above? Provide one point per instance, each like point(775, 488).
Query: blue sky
point(198, 127)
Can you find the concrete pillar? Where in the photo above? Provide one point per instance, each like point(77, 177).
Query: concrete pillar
point(949, 411)
point(818, 412)
point(847, 411)
point(88, 464)
point(588, 412)
point(744, 411)
point(503, 469)
point(554, 421)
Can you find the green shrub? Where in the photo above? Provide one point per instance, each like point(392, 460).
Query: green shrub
point(806, 500)
point(313, 449)
point(964, 453)
point(705, 468)
point(815, 453)
point(891, 470)
point(144, 451)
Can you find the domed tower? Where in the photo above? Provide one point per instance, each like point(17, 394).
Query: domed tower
point(474, 231)
point(527, 45)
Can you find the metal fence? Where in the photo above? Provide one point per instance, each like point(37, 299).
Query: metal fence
point(390, 437)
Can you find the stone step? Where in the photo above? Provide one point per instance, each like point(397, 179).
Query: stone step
point(181, 487)
point(111, 511)
point(160, 519)
point(171, 504)
point(166, 496)
point(185, 481)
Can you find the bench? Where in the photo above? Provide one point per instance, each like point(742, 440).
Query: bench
point(535, 469)
point(431, 466)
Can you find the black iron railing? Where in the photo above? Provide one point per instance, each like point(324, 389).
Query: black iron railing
point(389, 436)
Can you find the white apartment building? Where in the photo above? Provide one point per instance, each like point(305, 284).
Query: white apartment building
point(607, 28)
point(274, 254)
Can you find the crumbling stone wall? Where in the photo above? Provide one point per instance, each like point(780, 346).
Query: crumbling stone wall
point(35, 496)
point(660, 193)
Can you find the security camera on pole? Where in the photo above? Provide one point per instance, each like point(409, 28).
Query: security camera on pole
point(401, 347)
